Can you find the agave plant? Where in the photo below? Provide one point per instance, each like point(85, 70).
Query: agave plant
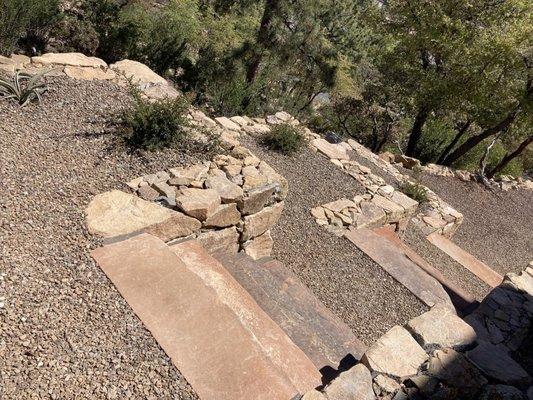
point(24, 87)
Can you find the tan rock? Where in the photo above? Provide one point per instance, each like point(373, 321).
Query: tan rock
point(198, 203)
point(199, 116)
point(371, 216)
point(89, 74)
point(404, 201)
point(177, 226)
point(393, 210)
point(117, 213)
point(225, 240)
point(441, 327)
point(354, 384)
point(260, 246)
point(313, 395)
point(273, 177)
point(229, 192)
point(72, 59)
point(148, 193)
point(255, 199)
point(407, 162)
point(160, 91)
point(138, 73)
point(239, 121)
point(318, 213)
point(225, 215)
point(258, 223)
point(254, 181)
point(387, 156)
point(334, 151)
point(227, 123)
point(185, 175)
point(396, 353)
point(232, 170)
point(339, 205)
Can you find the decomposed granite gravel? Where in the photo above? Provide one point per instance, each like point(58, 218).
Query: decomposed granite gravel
point(65, 332)
point(497, 226)
point(347, 281)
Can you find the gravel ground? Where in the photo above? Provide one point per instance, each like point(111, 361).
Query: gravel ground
point(497, 226)
point(353, 286)
point(444, 263)
point(65, 332)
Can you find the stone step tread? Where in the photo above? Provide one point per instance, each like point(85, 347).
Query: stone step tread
point(400, 267)
point(462, 300)
point(467, 260)
point(314, 328)
point(215, 348)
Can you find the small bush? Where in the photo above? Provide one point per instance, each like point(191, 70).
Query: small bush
point(24, 88)
point(415, 191)
point(156, 125)
point(284, 138)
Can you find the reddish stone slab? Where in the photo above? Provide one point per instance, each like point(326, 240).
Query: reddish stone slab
point(274, 342)
point(467, 260)
point(316, 330)
point(461, 299)
point(401, 268)
point(194, 324)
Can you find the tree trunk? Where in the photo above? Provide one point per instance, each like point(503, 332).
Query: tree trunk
point(416, 131)
point(473, 141)
point(510, 156)
point(460, 133)
point(262, 42)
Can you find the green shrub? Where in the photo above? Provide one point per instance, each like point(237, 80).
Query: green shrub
point(26, 22)
point(156, 125)
point(284, 138)
point(24, 88)
point(415, 191)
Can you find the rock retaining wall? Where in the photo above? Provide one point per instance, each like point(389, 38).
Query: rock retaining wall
point(437, 355)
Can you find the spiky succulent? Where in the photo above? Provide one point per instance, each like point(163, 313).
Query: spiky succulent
point(24, 87)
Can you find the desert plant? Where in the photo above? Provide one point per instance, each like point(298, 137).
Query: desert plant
point(156, 125)
point(284, 138)
point(24, 87)
point(415, 191)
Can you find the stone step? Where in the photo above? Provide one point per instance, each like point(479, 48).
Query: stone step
point(400, 267)
point(215, 334)
point(326, 340)
point(467, 260)
point(463, 301)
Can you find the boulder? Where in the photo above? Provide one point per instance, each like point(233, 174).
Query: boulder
point(386, 384)
point(441, 327)
point(260, 246)
point(138, 73)
point(256, 199)
point(186, 175)
point(117, 213)
point(395, 353)
point(407, 162)
point(334, 151)
point(393, 210)
point(227, 123)
point(354, 384)
point(160, 91)
point(387, 156)
point(371, 216)
point(225, 240)
point(258, 223)
point(89, 74)
point(72, 59)
point(241, 121)
point(408, 204)
point(225, 215)
point(497, 364)
point(274, 178)
point(198, 203)
point(177, 226)
point(229, 192)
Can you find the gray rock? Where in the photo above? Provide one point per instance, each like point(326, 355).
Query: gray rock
point(258, 223)
point(148, 193)
point(255, 199)
point(354, 384)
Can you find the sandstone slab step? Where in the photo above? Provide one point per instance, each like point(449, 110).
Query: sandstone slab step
point(463, 301)
point(400, 267)
point(207, 326)
point(316, 330)
point(467, 260)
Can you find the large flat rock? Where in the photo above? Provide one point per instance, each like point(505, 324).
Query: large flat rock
point(312, 326)
point(139, 73)
point(215, 334)
point(467, 260)
point(333, 151)
point(283, 353)
point(117, 213)
point(401, 268)
point(356, 383)
point(72, 59)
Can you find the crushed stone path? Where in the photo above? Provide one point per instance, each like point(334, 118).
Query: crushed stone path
point(347, 281)
point(65, 332)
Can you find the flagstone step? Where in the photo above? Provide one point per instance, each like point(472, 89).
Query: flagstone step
point(467, 260)
point(326, 340)
point(214, 332)
point(400, 267)
point(463, 301)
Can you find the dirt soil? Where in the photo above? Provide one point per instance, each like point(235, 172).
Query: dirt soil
point(497, 226)
point(65, 332)
point(352, 285)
